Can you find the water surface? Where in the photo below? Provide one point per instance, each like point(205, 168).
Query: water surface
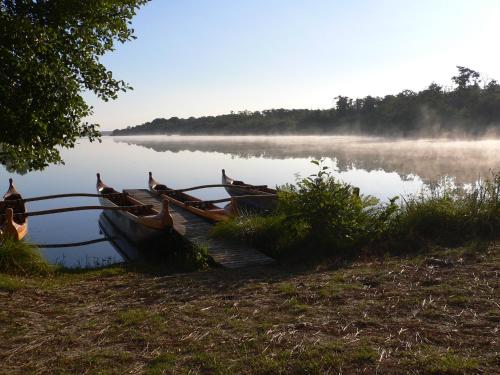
point(380, 167)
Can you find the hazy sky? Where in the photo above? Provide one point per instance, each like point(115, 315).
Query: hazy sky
point(208, 57)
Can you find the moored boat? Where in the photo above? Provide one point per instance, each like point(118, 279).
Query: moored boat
point(244, 190)
point(140, 222)
point(12, 225)
point(195, 205)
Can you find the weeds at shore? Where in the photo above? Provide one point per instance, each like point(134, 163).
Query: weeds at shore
point(450, 216)
point(321, 217)
point(20, 258)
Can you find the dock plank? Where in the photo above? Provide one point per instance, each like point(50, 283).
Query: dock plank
point(196, 229)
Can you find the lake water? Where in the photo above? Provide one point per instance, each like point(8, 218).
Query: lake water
point(380, 167)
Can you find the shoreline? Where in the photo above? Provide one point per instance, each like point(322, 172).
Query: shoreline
point(394, 138)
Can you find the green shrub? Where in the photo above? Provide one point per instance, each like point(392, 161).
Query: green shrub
point(330, 216)
point(21, 258)
point(317, 215)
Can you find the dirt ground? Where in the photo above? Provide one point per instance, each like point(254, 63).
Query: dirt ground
point(432, 314)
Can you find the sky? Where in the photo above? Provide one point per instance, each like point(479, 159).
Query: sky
point(210, 57)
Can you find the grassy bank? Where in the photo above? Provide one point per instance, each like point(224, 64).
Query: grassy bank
point(320, 217)
point(21, 258)
point(392, 315)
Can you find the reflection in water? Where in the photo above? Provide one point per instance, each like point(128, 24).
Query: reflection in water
point(379, 167)
point(71, 244)
point(124, 247)
point(430, 159)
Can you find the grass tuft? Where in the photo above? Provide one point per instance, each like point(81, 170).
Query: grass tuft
point(364, 354)
point(21, 258)
point(133, 317)
point(451, 364)
point(162, 364)
point(9, 284)
point(287, 289)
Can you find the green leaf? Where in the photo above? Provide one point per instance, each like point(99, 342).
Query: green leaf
point(50, 53)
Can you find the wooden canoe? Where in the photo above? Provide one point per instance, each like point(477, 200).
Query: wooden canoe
point(203, 209)
point(140, 223)
point(240, 188)
point(12, 225)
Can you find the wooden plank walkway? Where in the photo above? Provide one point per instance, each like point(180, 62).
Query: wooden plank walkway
point(196, 230)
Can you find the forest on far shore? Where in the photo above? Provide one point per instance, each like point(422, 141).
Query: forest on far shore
point(471, 107)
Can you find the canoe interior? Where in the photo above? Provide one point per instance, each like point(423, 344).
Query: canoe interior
point(13, 201)
point(183, 197)
point(121, 199)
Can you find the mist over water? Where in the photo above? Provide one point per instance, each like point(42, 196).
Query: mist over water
point(380, 167)
point(428, 158)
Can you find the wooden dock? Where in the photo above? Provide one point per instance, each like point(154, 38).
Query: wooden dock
point(196, 230)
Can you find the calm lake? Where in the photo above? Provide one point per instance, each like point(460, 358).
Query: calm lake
point(379, 167)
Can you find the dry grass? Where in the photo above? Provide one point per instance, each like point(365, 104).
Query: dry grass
point(392, 316)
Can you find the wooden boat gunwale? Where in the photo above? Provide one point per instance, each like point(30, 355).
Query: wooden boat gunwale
point(206, 210)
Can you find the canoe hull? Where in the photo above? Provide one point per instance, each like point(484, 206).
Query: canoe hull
point(131, 226)
point(259, 204)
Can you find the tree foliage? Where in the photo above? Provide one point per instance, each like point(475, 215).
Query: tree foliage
point(50, 53)
point(472, 107)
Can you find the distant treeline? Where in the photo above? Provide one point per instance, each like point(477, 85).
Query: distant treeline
point(471, 107)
